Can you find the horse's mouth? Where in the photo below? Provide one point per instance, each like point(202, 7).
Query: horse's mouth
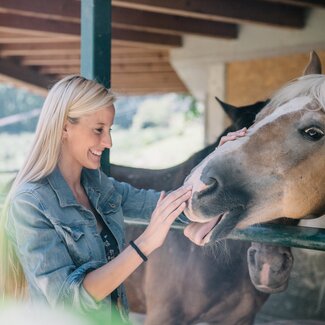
point(203, 231)
point(271, 289)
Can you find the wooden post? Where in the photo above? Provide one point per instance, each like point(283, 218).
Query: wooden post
point(96, 35)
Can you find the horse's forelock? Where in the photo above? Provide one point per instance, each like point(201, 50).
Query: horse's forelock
point(312, 86)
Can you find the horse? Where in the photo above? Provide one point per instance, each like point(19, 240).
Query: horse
point(217, 290)
point(164, 305)
point(275, 170)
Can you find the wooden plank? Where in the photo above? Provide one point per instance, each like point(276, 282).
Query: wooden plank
point(236, 11)
point(147, 38)
point(118, 58)
point(171, 24)
point(20, 76)
point(64, 10)
point(50, 60)
point(116, 69)
point(128, 18)
point(38, 26)
point(303, 3)
point(40, 49)
point(42, 27)
point(30, 39)
point(141, 67)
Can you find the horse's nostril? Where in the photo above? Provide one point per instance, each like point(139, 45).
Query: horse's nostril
point(251, 257)
point(287, 260)
point(209, 180)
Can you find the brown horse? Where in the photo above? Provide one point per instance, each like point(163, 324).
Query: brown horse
point(218, 288)
point(214, 274)
point(276, 170)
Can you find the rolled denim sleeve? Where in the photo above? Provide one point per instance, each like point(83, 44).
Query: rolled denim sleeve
point(51, 273)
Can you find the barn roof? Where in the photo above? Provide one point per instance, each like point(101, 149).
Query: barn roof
point(40, 40)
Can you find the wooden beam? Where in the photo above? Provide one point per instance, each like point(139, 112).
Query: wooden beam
point(40, 49)
point(7, 37)
point(131, 77)
point(171, 24)
point(141, 67)
point(302, 3)
point(42, 27)
point(20, 76)
point(117, 58)
point(147, 38)
point(42, 60)
point(64, 10)
point(236, 11)
point(38, 26)
point(69, 11)
point(116, 68)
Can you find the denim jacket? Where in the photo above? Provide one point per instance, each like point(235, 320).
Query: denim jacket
point(56, 239)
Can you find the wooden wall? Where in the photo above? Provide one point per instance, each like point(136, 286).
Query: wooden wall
point(250, 81)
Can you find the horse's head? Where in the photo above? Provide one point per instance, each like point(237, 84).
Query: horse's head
point(276, 170)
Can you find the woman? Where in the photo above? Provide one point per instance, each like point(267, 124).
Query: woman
point(63, 218)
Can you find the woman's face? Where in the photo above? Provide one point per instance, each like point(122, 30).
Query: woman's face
point(84, 142)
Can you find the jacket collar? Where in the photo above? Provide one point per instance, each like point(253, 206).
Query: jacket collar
point(90, 179)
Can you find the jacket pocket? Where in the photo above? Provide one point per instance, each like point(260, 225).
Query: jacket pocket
point(74, 237)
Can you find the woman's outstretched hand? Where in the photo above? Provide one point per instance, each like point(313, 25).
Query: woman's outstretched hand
point(191, 230)
point(168, 208)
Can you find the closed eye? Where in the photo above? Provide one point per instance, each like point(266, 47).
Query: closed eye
point(313, 133)
point(98, 131)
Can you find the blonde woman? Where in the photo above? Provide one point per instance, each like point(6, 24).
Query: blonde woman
point(62, 230)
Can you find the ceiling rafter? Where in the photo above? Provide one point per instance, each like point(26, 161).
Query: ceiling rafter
point(43, 27)
point(236, 11)
point(43, 37)
point(12, 72)
point(303, 3)
point(140, 20)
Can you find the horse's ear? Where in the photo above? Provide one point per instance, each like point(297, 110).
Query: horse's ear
point(231, 111)
point(314, 66)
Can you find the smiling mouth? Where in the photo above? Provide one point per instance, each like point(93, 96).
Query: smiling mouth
point(96, 154)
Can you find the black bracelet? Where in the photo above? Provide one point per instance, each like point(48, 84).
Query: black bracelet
point(138, 250)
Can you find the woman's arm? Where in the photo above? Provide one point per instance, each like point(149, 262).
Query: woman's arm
point(45, 259)
point(104, 280)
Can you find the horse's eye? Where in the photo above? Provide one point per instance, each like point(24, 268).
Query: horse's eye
point(313, 133)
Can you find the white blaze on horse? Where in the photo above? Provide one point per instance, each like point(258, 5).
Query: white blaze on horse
point(276, 170)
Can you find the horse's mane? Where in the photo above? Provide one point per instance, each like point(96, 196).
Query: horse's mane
point(312, 86)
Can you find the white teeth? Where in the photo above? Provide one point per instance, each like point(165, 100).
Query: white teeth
point(95, 152)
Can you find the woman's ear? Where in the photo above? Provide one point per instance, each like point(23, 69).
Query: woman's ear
point(65, 131)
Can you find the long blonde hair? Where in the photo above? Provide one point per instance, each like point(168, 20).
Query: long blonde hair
point(69, 99)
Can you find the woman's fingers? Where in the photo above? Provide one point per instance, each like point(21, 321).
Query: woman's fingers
point(233, 136)
point(173, 215)
point(174, 198)
point(176, 204)
point(162, 196)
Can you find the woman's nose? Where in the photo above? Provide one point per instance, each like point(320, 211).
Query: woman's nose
point(107, 141)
